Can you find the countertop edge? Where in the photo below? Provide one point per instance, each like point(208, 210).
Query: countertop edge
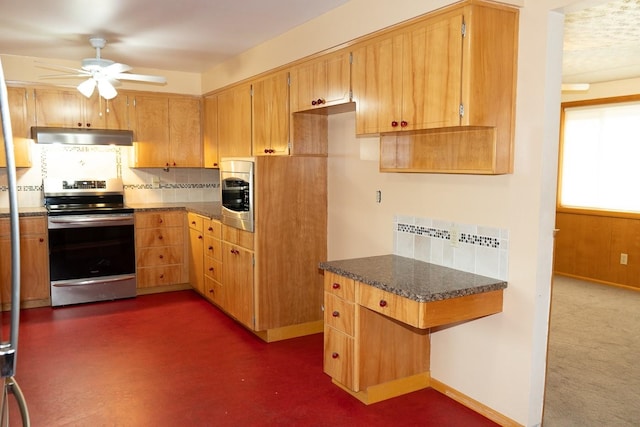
point(492, 285)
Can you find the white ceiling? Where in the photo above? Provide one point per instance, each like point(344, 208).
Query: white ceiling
point(602, 42)
point(187, 35)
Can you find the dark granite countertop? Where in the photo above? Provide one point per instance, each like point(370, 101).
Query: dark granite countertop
point(24, 211)
point(211, 210)
point(208, 209)
point(417, 280)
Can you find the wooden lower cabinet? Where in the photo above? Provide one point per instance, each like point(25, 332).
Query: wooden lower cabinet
point(34, 263)
point(160, 250)
point(196, 252)
point(213, 289)
point(237, 275)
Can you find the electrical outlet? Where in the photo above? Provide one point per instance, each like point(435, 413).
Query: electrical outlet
point(623, 259)
point(454, 235)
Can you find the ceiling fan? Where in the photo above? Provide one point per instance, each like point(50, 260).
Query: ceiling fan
point(104, 74)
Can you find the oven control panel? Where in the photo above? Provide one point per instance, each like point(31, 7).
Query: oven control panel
point(75, 185)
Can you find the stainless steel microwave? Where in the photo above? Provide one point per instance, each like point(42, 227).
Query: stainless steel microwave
point(236, 184)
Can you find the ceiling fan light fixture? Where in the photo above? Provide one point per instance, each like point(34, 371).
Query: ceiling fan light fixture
point(106, 89)
point(86, 87)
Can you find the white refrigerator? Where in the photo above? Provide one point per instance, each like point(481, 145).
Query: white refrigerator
point(9, 345)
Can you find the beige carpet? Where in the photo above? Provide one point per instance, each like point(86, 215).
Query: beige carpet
point(593, 372)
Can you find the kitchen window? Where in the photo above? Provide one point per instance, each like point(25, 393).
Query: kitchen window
point(600, 155)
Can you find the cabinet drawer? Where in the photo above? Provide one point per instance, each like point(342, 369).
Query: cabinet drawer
point(338, 313)
point(159, 219)
point(391, 305)
point(237, 237)
point(159, 236)
point(213, 228)
point(195, 221)
point(213, 268)
point(339, 285)
point(159, 255)
point(213, 291)
point(212, 247)
point(159, 276)
point(339, 357)
point(33, 225)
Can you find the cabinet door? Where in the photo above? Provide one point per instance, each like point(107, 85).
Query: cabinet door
point(59, 108)
point(322, 82)
point(107, 114)
point(432, 70)
point(237, 279)
point(149, 116)
point(34, 264)
point(234, 122)
point(270, 118)
point(210, 132)
point(377, 84)
point(184, 132)
point(196, 260)
point(20, 127)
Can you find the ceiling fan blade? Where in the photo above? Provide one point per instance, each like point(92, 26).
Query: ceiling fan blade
point(116, 68)
point(64, 76)
point(139, 78)
point(60, 67)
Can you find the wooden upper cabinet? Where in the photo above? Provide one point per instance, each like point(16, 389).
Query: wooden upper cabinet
point(234, 121)
point(166, 131)
point(270, 114)
point(321, 82)
point(20, 127)
point(410, 79)
point(210, 131)
point(56, 107)
point(185, 135)
point(150, 120)
point(441, 91)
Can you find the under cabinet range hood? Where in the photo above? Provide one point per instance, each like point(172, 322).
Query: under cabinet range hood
point(73, 136)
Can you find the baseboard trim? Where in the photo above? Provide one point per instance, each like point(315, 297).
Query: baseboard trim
point(291, 331)
point(600, 282)
point(474, 405)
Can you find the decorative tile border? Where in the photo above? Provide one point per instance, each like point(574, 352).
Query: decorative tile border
point(480, 249)
point(175, 186)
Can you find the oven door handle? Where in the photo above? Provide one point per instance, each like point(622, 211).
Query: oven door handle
point(94, 221)
point(70, 283)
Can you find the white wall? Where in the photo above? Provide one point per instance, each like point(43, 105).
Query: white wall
point(498, 360)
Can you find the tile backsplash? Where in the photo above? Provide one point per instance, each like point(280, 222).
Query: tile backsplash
point(479, 249)
point(84, 162)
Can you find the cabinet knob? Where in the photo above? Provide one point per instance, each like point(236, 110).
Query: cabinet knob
point(161, 256)
point(215, 164)
point(79, 124)
point(320, 101)
point(403, 124)
point(394, 124)
point(160, 221)
point(200, 237)
point(336, 314)
point(210, 248)
point(162, 276)
point(211, 269)
point(88, 125)
point(210, 228)
point(193, 222)
point(314, 102)
point(174, 163)
point(336, 286)
point(41, 240)
point(160, 237)
point(383, 303)
point(335, 355)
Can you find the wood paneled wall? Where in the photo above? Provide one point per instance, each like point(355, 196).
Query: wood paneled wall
point(589, 247)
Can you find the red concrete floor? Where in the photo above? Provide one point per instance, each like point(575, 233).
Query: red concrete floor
point(173, 359)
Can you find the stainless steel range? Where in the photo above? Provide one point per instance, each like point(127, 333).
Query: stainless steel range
point(91, 241)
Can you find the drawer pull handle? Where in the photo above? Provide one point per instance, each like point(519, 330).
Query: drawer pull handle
point(336, 286)
point(383, 303)
point(336, 314)
point(335, 355)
